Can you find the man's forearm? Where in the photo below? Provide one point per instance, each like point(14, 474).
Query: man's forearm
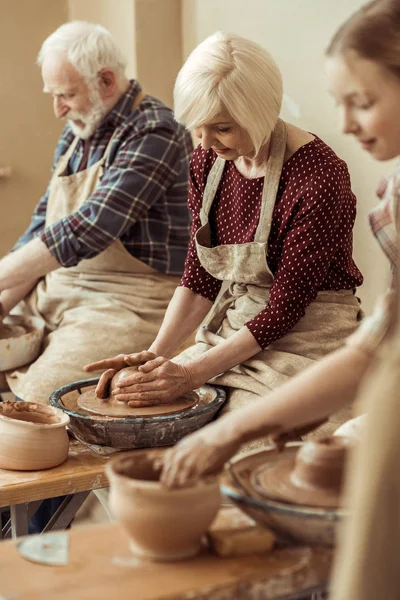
point(10, 298)
point(184, 314)
point(28, 263)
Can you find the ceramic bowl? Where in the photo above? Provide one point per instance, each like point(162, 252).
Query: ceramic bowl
point(22, 350)
point(162, 524)
point(32, 436)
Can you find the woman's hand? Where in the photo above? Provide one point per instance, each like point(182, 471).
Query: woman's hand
point(113, 365)
point(158, 381)
point(199, 454)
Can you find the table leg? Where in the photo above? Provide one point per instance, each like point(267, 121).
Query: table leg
point(66, 511)
point(19, 514)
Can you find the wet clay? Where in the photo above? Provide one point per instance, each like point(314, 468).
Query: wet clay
point(313, 478)
point(32, 436)
point(162, 524)
point(111, 407)
point(6, 331)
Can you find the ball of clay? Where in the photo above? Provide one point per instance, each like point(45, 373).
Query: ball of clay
point(118, 377)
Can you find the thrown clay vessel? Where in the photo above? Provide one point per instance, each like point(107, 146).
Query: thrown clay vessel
point(32, 436)
point(313, 478)
point(20, 341)
point(111, 407)
point(162, 524)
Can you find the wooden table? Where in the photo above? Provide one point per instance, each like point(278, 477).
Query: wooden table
point(101, 567)
point(23, 491)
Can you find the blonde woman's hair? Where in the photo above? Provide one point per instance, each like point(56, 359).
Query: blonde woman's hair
point(88, 47)
point(373, 32)
point(229, 72)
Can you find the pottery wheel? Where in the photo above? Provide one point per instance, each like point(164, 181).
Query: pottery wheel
point(113, 408)
point(274, 481)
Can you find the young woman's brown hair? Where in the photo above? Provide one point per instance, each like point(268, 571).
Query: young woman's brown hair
point(373, 33)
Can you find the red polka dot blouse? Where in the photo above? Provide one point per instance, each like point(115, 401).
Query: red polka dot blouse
point(310, 245)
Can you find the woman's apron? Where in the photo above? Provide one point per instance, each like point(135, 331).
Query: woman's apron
point(106, 305)
point(327, 321)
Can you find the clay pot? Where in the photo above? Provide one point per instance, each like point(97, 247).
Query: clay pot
point(32, 436)
point(313, 477)
point(162, 524)
point(320, 464)
point(23, 346)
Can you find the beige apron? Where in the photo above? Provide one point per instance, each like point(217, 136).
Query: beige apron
point(106, 305)
point(327, 322)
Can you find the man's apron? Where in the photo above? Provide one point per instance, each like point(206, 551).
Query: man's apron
point(106, 305)
point(327, 321)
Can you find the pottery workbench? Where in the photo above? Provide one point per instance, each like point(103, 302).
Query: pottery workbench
point(23, 491)
point(100, 566)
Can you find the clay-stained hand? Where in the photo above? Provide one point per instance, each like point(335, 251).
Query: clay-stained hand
point(158, 381)
point(120, 361)
point(113, 365)
point(197, 455)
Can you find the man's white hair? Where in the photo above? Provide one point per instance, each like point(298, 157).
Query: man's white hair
point(87, 46)
point(227, 71)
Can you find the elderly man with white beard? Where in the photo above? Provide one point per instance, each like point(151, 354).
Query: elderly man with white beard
point(103, 253)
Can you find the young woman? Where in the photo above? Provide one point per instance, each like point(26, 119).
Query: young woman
point(363, 65)
point(273, 215)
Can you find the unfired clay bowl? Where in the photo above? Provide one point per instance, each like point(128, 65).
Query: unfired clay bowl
point(162, 524)
point(32, 436)
point(23, 349)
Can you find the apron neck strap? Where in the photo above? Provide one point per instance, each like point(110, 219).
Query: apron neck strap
point(271, 181)
point(270, 188)
point(138, 99)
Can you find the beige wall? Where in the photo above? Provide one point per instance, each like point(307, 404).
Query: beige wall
point(296, 34)
point(116, 15)
point(29, 130)
point(149, 33)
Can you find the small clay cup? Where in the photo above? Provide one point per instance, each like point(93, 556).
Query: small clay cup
point(320, 464)
point(162, 524)
point(32, 436)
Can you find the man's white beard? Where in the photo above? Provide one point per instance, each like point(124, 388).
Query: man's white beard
point(91, 119)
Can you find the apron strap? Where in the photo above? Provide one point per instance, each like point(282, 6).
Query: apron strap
point(212, 183)
point(270, 187)
point(271, 181)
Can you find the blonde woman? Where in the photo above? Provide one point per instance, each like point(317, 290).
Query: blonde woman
point(273, 215)
point(364, 76)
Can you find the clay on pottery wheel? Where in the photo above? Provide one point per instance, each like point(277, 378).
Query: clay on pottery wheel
point(32, 436)
point(114, 408)
point(313, 478)
point(162, 524)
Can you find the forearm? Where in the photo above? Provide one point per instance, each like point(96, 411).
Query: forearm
point(184, 314)
point(313, 395)
point(28, 263)
point(10, 298)
point(233, 351)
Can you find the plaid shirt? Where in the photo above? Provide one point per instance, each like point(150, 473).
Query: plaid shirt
point(141, 198)
point(385, 224)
